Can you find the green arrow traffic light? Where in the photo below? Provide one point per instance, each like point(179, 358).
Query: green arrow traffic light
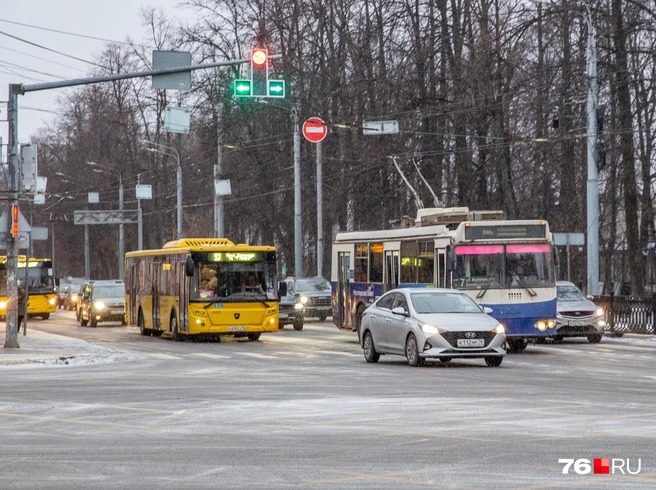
point(276, 88)
point(242, 88)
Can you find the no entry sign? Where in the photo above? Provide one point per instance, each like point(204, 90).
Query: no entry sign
point(314, 130)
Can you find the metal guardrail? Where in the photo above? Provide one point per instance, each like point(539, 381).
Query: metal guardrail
point(629, 314)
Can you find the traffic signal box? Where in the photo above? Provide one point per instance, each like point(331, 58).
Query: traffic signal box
point(14, 220)
point(259, 84)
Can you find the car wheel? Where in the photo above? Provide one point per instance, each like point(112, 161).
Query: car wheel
point(358, 321)
point(177, 336)
point(298, 324)
point(322, 318)
point(493, 361)
point(594, 338)
point(412, 351)
point(370, 354)
point(93, 323)
point(517, 345)
point(253, 337)
point(83, 322)
point(142, 325)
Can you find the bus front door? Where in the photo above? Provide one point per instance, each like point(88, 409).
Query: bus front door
point(391, 269)
point(343, 293)
point(157, 272)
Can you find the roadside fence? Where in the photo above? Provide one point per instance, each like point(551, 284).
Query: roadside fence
point(628, 314)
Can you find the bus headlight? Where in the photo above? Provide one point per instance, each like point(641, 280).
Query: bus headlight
point(99, 305)
point(3, 305)
point(52, 301)
point(551, 323)
point(541, 325)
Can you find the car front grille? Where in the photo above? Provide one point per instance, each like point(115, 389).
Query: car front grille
point(452, 337)
point(285, 308)
point(576, 314)
point(319, 302)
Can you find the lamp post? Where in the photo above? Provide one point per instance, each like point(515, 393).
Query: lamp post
point(173, 152)
point(121, 236)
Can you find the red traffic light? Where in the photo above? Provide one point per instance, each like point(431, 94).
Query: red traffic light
point(259, 56)
point(14, 220)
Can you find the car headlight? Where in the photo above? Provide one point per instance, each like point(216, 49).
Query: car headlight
point(429, 329)
point(99, 305)
point(74, 297)
point(499, 329)
point(304, 299)
point(52, 301)
point(298, 306)
point(599, 312)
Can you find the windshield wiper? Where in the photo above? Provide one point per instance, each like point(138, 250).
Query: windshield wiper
point(523, 284)
point(487, 285)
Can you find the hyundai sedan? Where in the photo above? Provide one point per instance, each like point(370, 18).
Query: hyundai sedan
point(423, 323)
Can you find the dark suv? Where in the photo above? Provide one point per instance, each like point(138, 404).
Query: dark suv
point(102, 301)
point(314, 293)
point(290, 309)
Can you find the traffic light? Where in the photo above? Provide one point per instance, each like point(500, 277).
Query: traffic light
point(242, 88)
point(260, 72)
point(14, 220)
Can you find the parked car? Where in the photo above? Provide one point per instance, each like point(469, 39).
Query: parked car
point(314, 293)
point(103, 301)
point(442, 324)
point(577, 315)
point(290, 309)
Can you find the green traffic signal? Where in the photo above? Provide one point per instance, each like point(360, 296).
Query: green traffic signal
point(242, 88)
point(276, 88)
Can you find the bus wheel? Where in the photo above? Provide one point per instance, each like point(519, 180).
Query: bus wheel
point(45, 316)
point(142, 325)
point(177, 336)
point(253, 337)
point(358, 320)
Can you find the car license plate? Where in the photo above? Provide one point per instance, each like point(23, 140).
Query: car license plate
point(236, 329)
point(471, 342)
point(283, 315)
point(577, 323)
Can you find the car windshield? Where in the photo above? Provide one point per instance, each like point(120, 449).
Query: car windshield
point(314, 284)
point(570, 293)
point(116, 291)
point(425, 303)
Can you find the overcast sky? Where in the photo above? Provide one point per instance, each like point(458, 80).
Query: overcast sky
point(115, 20)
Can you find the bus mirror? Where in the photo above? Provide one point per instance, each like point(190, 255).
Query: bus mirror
point(282, 289)
point(189, 267)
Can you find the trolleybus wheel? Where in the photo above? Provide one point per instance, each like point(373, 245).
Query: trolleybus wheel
point(253, 336)
point(370, 354)
point(412, 351)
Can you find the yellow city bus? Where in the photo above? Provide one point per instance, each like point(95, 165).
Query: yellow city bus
point(202, 287)
point(37, 275)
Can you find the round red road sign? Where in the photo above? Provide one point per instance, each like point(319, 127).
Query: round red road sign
point(314, 130)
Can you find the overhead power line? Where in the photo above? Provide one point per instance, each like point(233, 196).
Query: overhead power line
point(49, 49)
point(68, 33)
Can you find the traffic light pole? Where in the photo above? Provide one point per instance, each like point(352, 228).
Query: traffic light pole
point(298, 232)
point(11, 339)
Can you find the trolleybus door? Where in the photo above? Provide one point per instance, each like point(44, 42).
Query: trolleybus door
point(391, 269)
point(343, 293)
point(132, 293)
point(157, 273)
point(183, 296)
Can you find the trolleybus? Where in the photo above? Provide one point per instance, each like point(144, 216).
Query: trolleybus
point(469, 251)
point(36, 276)
point(202, 287)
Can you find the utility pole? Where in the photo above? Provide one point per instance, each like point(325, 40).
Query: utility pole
point(218, 170)
point(11, 339)
point(593, 179)
point(298, 233)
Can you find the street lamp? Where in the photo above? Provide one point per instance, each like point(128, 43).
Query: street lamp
point(173, 152)
point(121, 237)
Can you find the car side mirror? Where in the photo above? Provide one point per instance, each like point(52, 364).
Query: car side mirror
point(282, 289)
point(400, 311)
point(488, 310)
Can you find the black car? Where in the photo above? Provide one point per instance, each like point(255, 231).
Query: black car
point(314, 293)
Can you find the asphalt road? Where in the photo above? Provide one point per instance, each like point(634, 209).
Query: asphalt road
point(304, 410)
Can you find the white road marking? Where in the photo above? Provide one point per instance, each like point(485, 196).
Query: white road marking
point(210, 356)
point(162, 356)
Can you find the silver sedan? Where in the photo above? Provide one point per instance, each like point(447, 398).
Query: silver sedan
point(431, 323)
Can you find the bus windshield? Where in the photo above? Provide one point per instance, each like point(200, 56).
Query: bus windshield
point(234, 281)
point(498, 266)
